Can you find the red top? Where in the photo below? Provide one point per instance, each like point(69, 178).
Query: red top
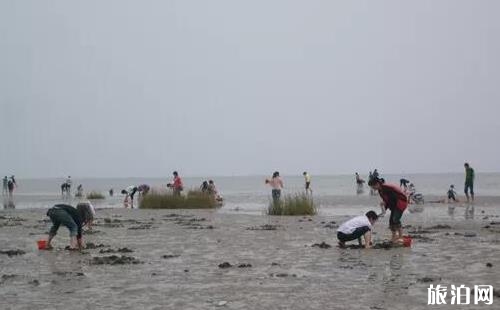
point(393, 197)
point(177, 183)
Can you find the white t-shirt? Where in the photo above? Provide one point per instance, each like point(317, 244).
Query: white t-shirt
point(350, 226)
point(91, 208)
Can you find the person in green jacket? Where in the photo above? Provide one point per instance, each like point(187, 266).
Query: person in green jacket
point(469, 181)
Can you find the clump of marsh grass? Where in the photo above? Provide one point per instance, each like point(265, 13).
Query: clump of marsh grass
point(296, 204)
point(167, 200)
point(95, 195)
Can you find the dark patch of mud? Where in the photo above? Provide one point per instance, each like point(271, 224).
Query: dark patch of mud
point(69, 273)
point(321, 245)
point(176, 217)
point(109, 223)
point(10, 224)
point(93, 232)
point(428, 279)
point(116, 221)
point(119, 250)
point(115, 260)
point(282, 275)
point(6, 277)
point(331, 225)
point(192, 223)
point(421, 238)
point(34, 282)
point(11, 253)
point(244, 266)
point(200, 227)
point(386, 245)
point(419, 230)
point(91, 246)
point(142, 226)
point(169, 256)
point(225, 265)
point(264, 227)
point(13, 218)
point(440, 226)
point(469, 234)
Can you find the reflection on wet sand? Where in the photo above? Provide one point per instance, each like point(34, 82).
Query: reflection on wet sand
point(8, 203)
point(360, 189)
point(469, 212)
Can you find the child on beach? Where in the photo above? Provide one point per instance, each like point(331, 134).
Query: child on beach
point(356, 228)
point(276, 184)
point(393, 199)
point(452, 194)
point(73, 218)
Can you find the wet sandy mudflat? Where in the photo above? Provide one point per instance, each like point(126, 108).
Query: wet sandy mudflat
point(192, 259)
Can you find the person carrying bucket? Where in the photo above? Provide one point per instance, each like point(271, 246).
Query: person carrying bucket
point(73, 218)
point(393, 199)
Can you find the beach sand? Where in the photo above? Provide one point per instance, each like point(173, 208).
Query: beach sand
point(174, 259)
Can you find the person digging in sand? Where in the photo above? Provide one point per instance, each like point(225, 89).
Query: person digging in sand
point(73, 218)
point(357, 227)
point(129, 192)
point(393, 199)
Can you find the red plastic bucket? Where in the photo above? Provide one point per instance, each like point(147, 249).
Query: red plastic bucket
point(42, 244)
point(407, 241)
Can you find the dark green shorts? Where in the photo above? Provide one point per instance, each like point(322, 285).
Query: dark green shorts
point(395, 219)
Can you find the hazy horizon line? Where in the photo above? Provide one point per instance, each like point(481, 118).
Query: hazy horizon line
point(243, 175)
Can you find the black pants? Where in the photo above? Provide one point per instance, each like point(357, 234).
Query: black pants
point(357, 233)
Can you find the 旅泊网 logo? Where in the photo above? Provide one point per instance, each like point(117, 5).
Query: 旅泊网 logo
point(460, 295)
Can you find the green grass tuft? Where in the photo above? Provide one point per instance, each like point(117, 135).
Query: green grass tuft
point(296, 204)
point(95, 195)
point(166, 200)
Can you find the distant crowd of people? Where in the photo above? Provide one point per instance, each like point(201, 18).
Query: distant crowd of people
point(394, 198)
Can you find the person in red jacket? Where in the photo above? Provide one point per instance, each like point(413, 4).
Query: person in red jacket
point(393, 199)
point(176, 185)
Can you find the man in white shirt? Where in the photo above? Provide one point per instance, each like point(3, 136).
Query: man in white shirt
point(357, 227)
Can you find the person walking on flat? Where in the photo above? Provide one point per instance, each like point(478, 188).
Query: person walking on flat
point(469, 181)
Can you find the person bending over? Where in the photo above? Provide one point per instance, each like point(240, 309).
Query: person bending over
point(73, 218)
point(357, 227)
point(393, 199)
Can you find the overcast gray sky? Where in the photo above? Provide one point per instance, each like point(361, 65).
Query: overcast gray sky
point(140, 88)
